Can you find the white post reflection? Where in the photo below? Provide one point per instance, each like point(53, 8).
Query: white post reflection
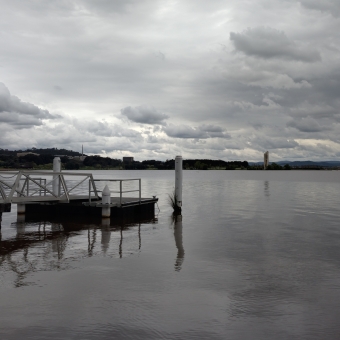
point(20, 225)
point(106, 234)
point(59, 243)
point(179, 241)
point(91, 240)
point(121, 243)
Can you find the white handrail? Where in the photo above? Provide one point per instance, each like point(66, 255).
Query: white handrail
point(121, 192)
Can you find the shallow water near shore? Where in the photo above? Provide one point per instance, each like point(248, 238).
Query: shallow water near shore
point(256, 255)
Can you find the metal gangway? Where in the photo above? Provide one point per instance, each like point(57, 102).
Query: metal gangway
point(43, 186)
point(27, 186)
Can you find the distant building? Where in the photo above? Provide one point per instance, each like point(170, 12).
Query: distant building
point(22, 154)
point(127, 159)
point(266, 160)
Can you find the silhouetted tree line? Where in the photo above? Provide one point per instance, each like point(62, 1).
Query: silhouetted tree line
point(47, 151)
point(205, 164)
point(28, 161)
point(102, 162)
point(9, 159)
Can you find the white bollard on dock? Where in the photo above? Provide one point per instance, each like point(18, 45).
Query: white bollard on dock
point(178, 180)
point(106, 199)
point(56, 168)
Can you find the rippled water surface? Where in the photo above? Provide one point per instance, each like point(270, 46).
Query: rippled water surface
point(256, 255)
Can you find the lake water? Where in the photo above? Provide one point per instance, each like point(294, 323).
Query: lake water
point(255, 256)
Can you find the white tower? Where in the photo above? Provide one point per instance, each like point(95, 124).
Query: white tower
point(266, 160)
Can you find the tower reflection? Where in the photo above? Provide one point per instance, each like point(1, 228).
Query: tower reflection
point(266, 189)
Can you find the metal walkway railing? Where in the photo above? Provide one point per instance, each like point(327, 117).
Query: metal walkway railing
point(120, 191)
point(24, 186)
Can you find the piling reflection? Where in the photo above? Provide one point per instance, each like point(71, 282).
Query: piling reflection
point(56, 245)
point(106, 234)
point(178, 227)
point(91, 237)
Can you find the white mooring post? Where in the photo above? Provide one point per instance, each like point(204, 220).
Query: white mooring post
point(56, 168)
point(106, 199)
point(178, 180)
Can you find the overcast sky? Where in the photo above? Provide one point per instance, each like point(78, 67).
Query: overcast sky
point(154, 79)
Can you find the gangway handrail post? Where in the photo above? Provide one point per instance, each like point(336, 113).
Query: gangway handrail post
point(140, 190)
point(93, 185)
point(120, 192)
point(89, 191)
point(14, 187)
point(27, 186)
point(2, 191)
point(63, 184)
point(23, 187)
point(49, 191)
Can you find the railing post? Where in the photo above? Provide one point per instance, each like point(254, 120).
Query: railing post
point(120, 199)
point(140, 190)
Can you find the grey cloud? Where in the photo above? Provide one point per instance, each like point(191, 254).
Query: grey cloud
point(144, 115)
point(108, 6)
point(19, 121)
point(314, 110)
point(103, 128)
point(331, 6)
point(15, 112)
point(269, 43)
point(200, 132)
point(273, 143)
point(184, 131)
point(306, 125)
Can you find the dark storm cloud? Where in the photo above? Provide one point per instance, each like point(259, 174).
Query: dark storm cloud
point(144, 115)
point(15, 112)
point(269, 43)
point(200, 132)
